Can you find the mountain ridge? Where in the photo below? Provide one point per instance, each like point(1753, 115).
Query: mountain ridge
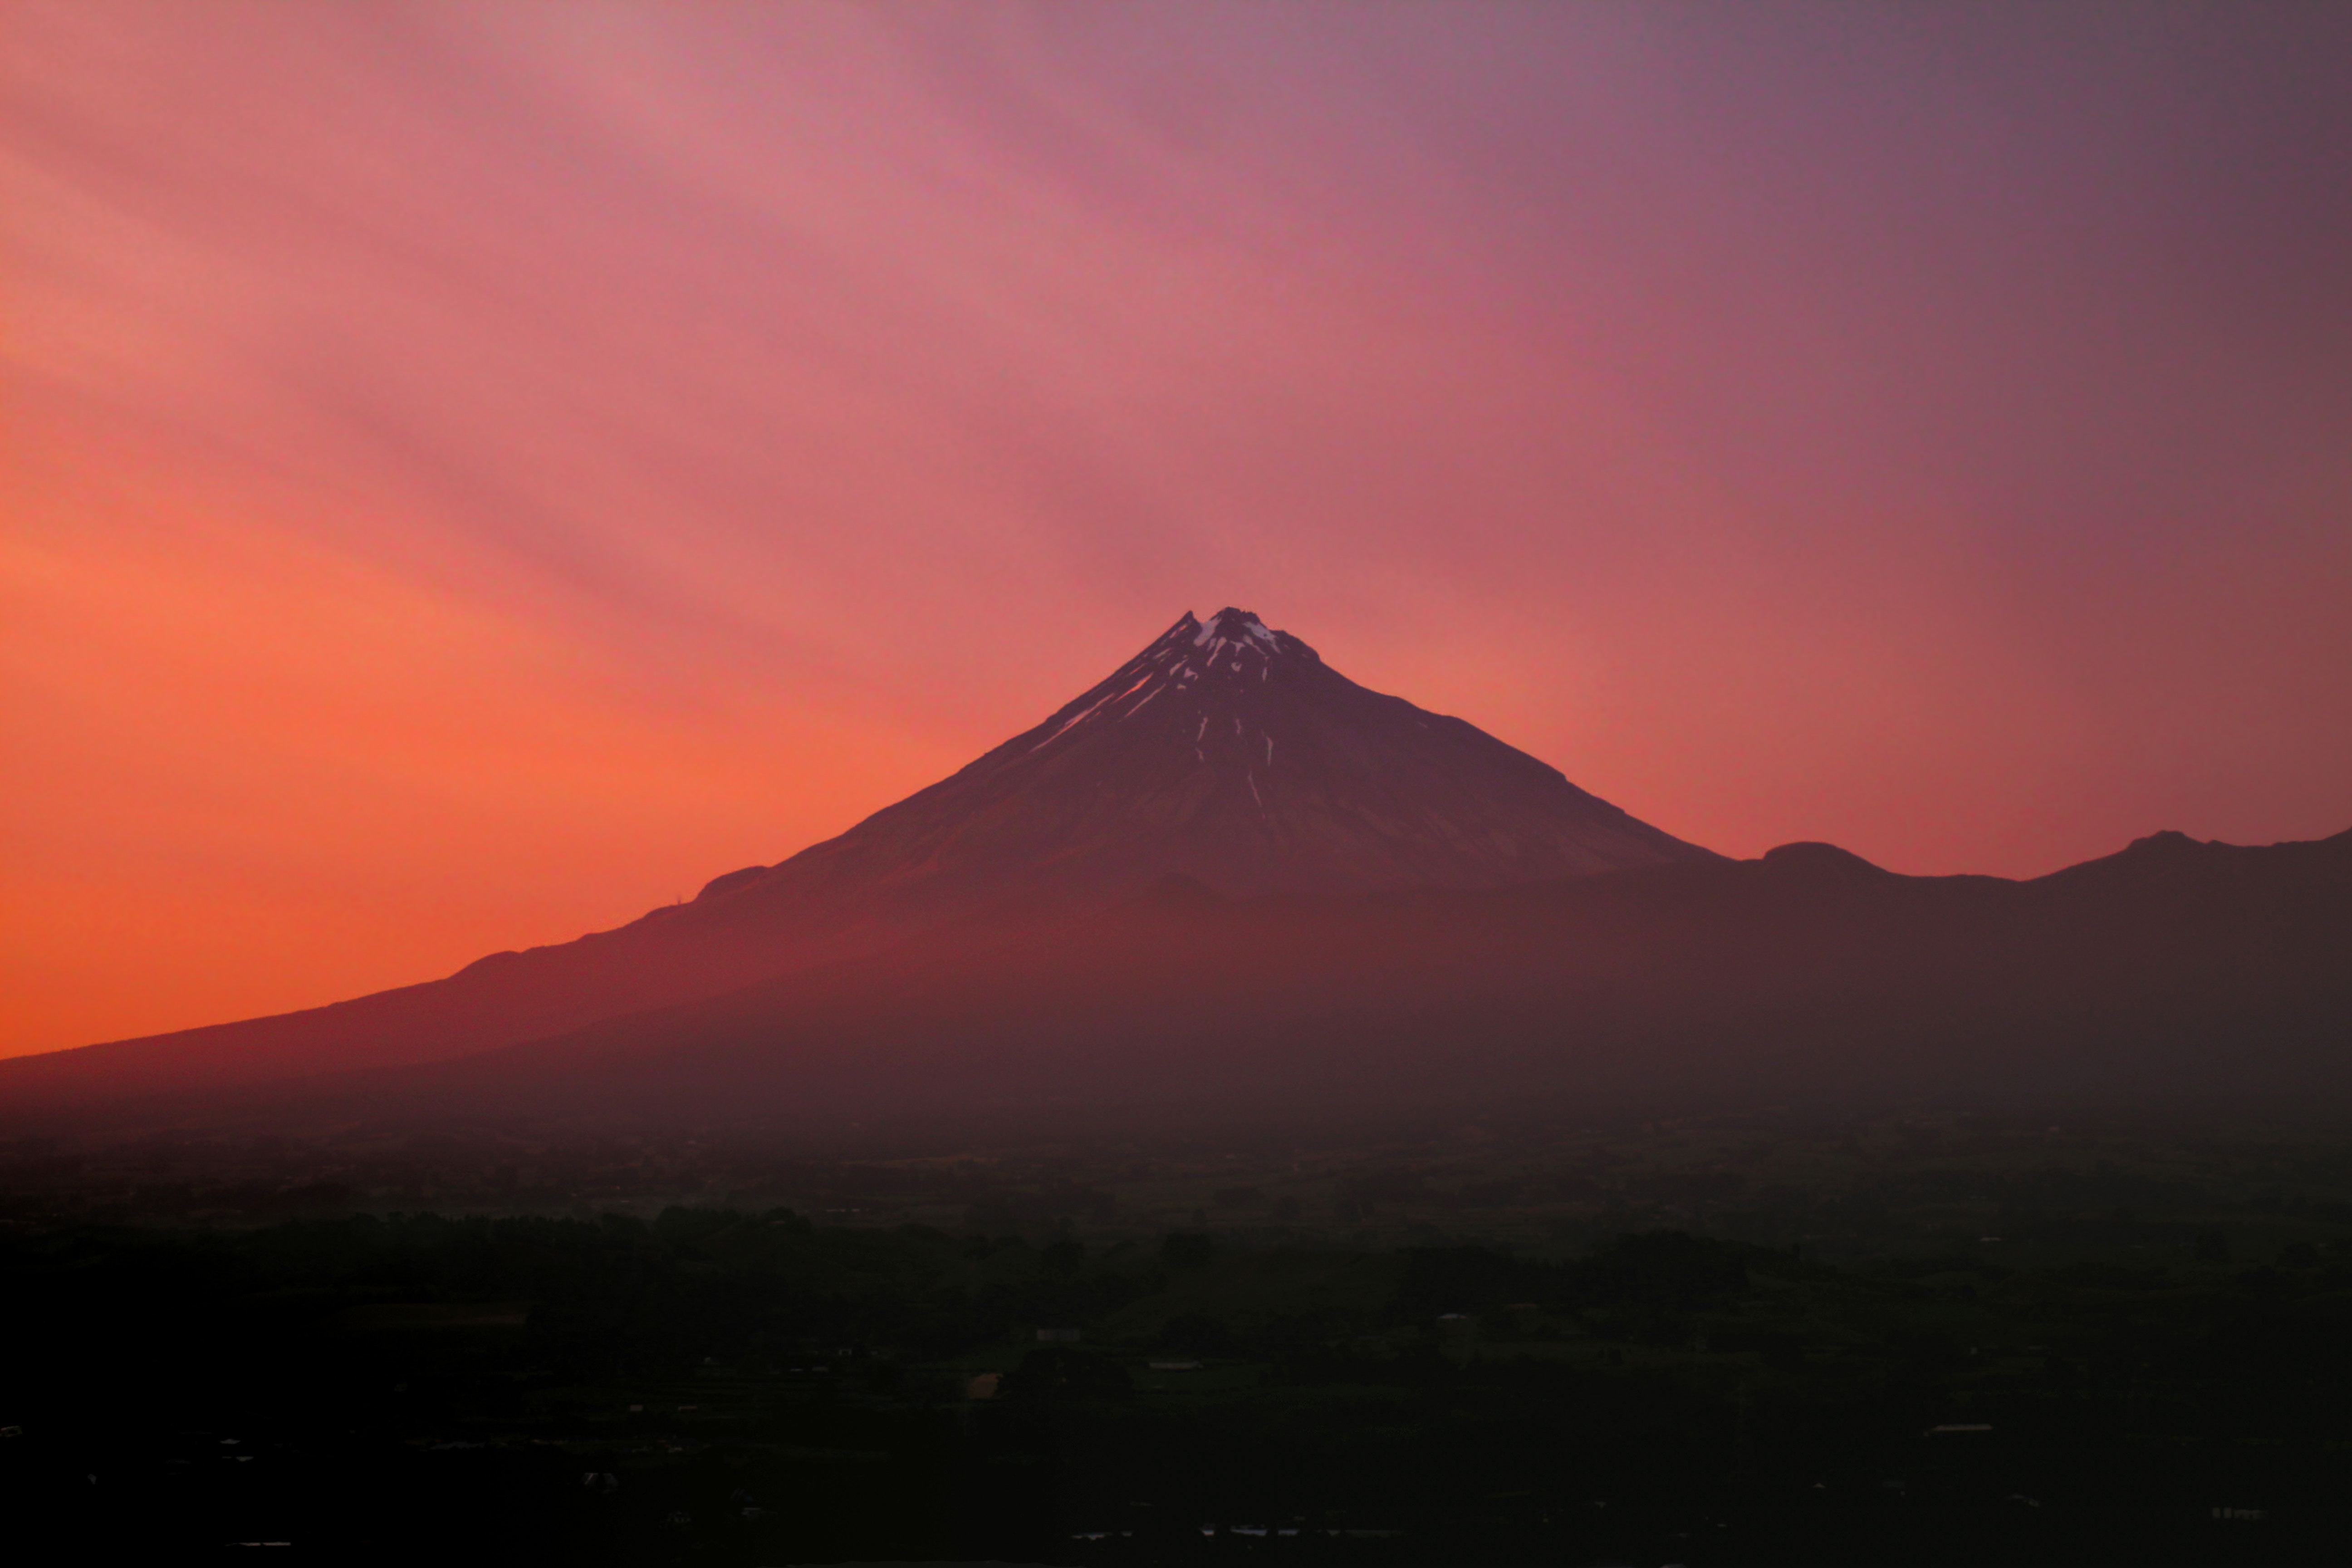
point(1695, 980)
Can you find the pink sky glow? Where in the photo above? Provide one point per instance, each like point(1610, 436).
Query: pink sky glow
point(472, 472)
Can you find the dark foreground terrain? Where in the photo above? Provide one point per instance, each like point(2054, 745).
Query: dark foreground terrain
point(1925, 1338)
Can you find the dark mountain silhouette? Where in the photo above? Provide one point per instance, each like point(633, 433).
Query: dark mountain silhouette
point(1226, 752)
point(1233, 754)
point(2174, 972)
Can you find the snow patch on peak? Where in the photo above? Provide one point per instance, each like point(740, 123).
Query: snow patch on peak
point(1230, 625)
point(1100, 703)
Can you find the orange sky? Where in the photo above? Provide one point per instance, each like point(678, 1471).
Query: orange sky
point(473, 472)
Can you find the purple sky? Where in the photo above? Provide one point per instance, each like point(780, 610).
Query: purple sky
point(475, 471)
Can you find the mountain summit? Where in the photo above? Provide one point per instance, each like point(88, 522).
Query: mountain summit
point(1224, 751)
point(1229, 753)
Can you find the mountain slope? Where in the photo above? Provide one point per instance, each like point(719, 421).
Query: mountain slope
point(2174, 972)
point(1226, 751)
point(1231, 754)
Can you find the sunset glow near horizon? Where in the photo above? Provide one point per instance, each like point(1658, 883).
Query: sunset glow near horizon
point(474, 472)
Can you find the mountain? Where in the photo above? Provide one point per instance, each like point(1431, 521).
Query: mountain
point(2173, 973)
point(1224, 753)
point(1229, 754)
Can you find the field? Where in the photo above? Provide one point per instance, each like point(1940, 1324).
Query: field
point(1925, 1337)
